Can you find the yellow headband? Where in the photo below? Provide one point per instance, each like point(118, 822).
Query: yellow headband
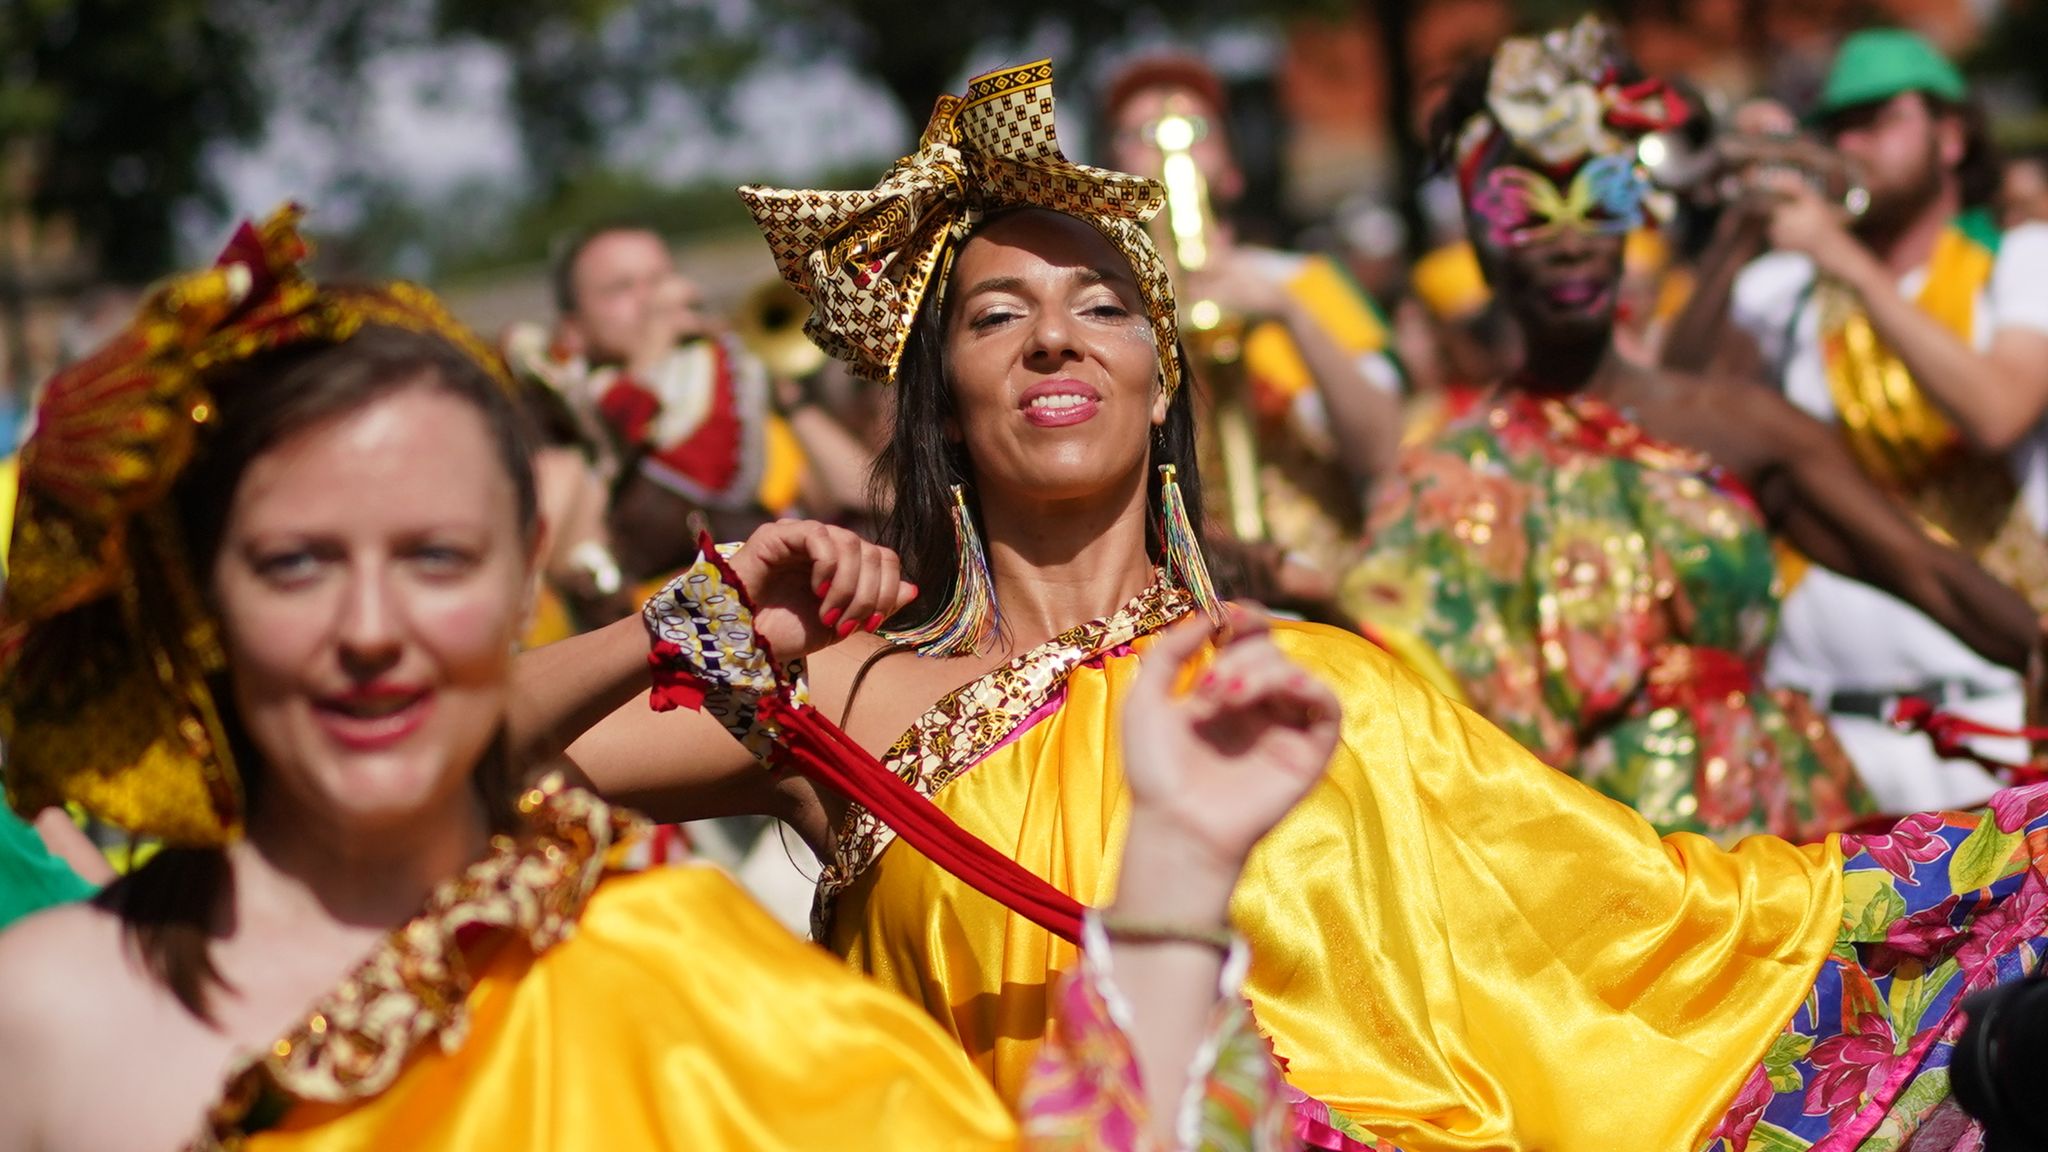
point(105, 641)
point(865, 259)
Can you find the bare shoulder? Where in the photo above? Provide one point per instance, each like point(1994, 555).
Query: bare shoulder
point(56, 970)
point(83, 1025)
point(834, 672)
point(55, 964)
point(55, 974)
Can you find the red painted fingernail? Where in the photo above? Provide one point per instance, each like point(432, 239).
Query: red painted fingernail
point(847, 628)
point(831, 616)
point(824, 588)
point(873, 623)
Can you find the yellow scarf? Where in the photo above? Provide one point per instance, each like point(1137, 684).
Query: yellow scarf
point(1962, 497)
point(1454, 946)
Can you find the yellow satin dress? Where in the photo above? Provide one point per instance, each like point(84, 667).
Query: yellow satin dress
point(1454, 946)
point(679, 1015)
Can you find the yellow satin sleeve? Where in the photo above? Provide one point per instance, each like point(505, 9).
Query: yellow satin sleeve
point(1453, 944)
point(678, 1016)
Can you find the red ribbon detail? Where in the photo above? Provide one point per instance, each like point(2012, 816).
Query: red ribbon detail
point(1948, 731)
point(817, 748)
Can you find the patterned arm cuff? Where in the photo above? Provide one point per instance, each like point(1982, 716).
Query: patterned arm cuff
point(1084, 1091)
point(705, 655)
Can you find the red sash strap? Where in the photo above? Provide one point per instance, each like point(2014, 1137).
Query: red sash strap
point(816, 747)
point(803, 739)
point(1948, 732)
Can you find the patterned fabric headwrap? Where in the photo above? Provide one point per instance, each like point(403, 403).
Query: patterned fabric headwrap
point(106, 642)
point(1557, 97)
point(865, 259)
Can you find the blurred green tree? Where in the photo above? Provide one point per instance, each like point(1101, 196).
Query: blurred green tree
point(110, 110)
point(107, 109)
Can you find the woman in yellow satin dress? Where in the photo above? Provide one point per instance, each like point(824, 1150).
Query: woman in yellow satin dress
point(276, 548)
point(1455, 946)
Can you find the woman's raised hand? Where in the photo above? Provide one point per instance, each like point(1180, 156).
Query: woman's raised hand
point(813, 585)
point(1213, 769)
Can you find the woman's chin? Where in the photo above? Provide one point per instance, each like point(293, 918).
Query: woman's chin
point(1067, 486)
point(1580, 321)
point(384, 790)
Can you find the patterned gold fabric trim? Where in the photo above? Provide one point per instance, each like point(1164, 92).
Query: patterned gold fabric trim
point(415, 988)
point(864, 259)
point(969, 722)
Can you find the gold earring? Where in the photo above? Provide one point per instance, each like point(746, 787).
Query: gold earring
point(1184, 563)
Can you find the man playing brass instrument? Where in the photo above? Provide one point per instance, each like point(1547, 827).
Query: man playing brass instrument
point(685, 425)
point(1322, 390)
point(1923, 331)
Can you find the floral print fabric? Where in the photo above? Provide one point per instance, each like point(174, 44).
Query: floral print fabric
point(1940, 906)
point(1607, 600)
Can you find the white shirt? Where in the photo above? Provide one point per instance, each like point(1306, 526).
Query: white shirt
point(1835, 633)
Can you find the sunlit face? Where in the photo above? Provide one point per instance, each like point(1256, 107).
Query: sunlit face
point(620, 278)
point(1054, 367)
point(1134, 140)
point(371, 585)
point(1554, 255)
point(1902, 150)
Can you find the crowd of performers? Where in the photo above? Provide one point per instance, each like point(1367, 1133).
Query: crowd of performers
point(1605, 774)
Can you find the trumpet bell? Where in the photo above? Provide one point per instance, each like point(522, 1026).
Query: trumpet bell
point(770, 322)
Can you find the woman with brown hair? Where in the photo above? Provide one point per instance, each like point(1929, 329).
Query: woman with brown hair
point(1456, 946)
point(276, 550)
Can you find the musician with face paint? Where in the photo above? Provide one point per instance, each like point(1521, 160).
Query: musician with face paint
point(1588, 557)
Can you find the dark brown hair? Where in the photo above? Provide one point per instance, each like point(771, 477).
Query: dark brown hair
point(1982, 168)
point(168, 907)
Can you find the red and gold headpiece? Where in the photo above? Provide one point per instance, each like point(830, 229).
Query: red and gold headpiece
point(106, 644)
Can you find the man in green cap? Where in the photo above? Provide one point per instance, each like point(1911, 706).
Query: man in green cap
point(1923, 333)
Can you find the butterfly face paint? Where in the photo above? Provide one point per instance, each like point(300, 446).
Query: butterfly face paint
point(1522, 206)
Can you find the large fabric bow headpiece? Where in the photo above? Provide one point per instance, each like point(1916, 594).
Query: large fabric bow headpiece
point(1558, 98)
point(106, 643)
point(865, 259)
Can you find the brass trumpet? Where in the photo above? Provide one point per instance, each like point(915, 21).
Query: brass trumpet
point(1183, 233)
point(770, 323)
point(1725, 168)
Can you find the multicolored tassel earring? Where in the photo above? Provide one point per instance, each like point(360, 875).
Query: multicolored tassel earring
point(970, 617)
point(1184, 563)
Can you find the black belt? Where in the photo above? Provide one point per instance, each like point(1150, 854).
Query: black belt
point(1879, 705)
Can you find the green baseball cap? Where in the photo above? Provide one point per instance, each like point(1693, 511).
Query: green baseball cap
point(1879, 63)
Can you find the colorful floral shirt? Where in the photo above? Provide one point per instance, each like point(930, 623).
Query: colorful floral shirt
point(1607, 600)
